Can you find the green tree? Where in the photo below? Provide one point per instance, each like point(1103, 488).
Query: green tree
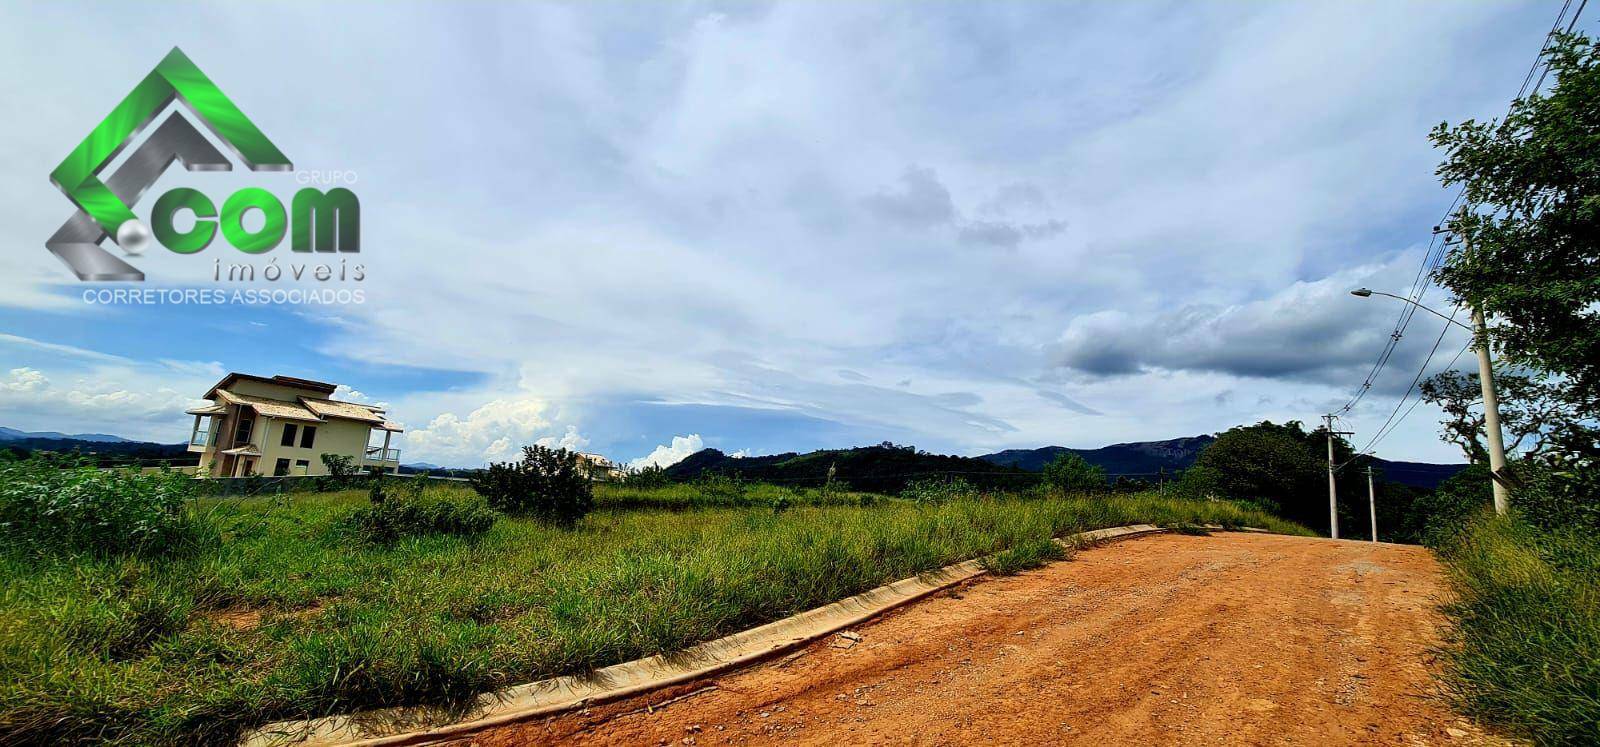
point(1530, 222)
point(1070, 473)
point(1530, 250)
point(1272, 465)
point(1530, 407)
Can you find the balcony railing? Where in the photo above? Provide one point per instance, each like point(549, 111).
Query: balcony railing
point(380, 454)
point(203, 438)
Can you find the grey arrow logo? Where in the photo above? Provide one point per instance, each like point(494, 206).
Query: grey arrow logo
point(77, 242)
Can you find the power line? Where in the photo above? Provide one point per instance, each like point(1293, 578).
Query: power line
point(1434, 257)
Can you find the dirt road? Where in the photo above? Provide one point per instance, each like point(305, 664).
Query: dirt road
point(1170, 639)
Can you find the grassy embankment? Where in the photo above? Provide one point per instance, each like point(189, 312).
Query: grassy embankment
point(286, 617)
point(1524, 652)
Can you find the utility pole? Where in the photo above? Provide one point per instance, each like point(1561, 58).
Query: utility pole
point(1372, 504)
point(1333, 497)
point(1491, 412)
point(1491, 401)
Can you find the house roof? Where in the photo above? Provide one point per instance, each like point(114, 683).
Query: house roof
point(305, 409)
point(310, 409)
point(332, 408)
point(245, 450)
point(272, 408)
point(212, 409)
point(320, 387)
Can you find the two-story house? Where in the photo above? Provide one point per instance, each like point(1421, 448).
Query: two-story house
point(283, 425)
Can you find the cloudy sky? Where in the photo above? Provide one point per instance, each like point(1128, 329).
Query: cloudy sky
point(643, 228)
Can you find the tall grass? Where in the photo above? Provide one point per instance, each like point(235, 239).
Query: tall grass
point(150, 650)
point(1525, 635)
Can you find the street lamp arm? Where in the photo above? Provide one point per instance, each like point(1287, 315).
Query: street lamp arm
point(1364, 292)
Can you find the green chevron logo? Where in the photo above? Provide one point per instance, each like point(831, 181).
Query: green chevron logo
point(323, 222)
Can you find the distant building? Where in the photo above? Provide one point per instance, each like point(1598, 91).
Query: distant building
point(598, 468)
point(283, 425)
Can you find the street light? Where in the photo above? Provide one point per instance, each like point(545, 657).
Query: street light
point(1368, 292)
point(1491, 402)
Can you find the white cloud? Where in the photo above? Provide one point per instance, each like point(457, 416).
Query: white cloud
point(496, 431)
point(70, 351)
point(24, 380)
point(125, 400)
point(345, 393)
point(571, 440)
point(728, 208)
point(666, 455)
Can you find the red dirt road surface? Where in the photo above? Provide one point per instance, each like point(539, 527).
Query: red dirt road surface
point(1171, 639)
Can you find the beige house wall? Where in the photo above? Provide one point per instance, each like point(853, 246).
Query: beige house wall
point(344, 437)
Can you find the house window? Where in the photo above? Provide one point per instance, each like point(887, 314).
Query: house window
point(308, 435)
point(281, 468)
point(302, 467)
point(241, 433)
point(288, 435)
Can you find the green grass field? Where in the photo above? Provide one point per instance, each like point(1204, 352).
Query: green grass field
point(1524, 653)
point(287, 617)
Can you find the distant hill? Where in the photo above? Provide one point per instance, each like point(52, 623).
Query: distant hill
point(885, 468)
point(104, 450)
point(12, 434)
point(1139, 459)
point(1417, 474)
point(1145, 459)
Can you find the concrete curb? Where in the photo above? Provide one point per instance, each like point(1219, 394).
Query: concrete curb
point(392, 727)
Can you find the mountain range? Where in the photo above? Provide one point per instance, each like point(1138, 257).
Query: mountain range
point(889, 467)
point(12, 434)
point(885, 466)
point(1147, 459)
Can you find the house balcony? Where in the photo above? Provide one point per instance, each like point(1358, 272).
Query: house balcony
point(378, 456)
point(200, 440)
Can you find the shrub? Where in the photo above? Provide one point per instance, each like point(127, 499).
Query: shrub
point(48, 508)
point(1070, 473)
point(648, 477)
point(547, 485)
point(1559, 490)
point(397, 518)
point(934, 490)
point(342, 472)
point(722, 487)
point(1451, 507)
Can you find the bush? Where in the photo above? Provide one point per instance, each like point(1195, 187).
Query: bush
point(1070, 473)
point(721, 487)
point(1443, 514)
point(1525, 637)
point(46, 507)
point(648, 477)
point(397, 518)
point(342, 472)
point(1559, 490)
point(547, 485)
point(934, 490)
